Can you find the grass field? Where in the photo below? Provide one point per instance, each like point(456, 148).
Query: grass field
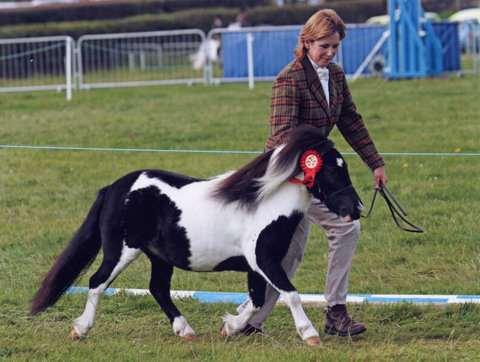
point(44, 196)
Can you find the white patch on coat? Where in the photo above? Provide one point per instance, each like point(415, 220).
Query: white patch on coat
point(340, 162)
point(217, 231)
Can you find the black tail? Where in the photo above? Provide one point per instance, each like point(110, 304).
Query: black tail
point(77, 256)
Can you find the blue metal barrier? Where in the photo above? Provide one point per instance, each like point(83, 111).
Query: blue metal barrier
point(273, 49)
point(414, 49)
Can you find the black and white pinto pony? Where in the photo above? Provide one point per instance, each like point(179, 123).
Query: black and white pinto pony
point(240, 221)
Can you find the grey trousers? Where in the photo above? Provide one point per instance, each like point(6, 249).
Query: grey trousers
point(342, 241)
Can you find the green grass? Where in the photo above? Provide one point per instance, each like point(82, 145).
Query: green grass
point(165, 72)
point(119, 74)
point(44, 195)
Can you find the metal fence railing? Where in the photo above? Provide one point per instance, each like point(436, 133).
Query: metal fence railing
point(470, 44)
point(32, 64)
point(135, 59)
point(188, 56)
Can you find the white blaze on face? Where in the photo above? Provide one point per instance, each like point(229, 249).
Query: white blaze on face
point(339, 162)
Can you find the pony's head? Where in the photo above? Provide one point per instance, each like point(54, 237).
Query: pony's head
point(333, 186)
point(322, 170)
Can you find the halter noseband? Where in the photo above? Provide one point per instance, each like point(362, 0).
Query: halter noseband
point(342, 190)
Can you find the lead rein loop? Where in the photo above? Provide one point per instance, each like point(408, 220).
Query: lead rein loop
point(397, 211)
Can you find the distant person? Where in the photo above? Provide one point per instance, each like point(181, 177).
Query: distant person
point(313, 90)
point(209, 49)
point(240, 21)
point(217, 22)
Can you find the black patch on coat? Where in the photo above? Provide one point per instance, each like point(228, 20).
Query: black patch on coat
point(235, 263)
point(160, 283)
point(272, 246)
point(256, 289)
point(171, 178)
point(151, 223)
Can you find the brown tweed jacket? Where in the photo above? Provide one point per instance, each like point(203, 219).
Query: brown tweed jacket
point(298, 98)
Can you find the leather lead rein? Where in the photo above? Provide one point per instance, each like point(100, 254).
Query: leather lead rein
point(399, 214)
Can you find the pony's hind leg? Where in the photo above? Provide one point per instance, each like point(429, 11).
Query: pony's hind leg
point(113, 263)
point(233, 324)
point(160, 289)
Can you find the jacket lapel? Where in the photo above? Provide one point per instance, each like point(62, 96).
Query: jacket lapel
point(315, 86)
point(333, 90)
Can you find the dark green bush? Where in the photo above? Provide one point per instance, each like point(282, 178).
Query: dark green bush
point(194, 18)
point(114, 9)
point(298, 14)
point(198, 19)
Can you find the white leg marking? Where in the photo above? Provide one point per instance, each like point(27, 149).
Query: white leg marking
point(85, 322)
point(232, 324)
point(242, 306)
point(304, 326)
point(182, 328)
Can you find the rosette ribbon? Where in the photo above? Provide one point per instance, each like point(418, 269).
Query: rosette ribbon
point(310, 163)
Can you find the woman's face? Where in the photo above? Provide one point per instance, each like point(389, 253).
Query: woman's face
point(322, 51)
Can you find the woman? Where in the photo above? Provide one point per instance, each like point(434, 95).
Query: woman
point(313, 90)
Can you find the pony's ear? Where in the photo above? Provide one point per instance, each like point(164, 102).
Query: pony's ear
point(324, 146)
point(310, 163)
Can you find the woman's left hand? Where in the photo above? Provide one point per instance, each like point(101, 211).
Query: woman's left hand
point(380, 177)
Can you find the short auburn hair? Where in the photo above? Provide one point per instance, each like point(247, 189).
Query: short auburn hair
point(323, 23)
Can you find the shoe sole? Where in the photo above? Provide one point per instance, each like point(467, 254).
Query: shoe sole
point(334, 332)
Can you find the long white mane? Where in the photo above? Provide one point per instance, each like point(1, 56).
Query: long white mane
point(275, 175)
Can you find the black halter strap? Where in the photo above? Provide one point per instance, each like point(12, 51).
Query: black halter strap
point(398, 213)
point(346, 188)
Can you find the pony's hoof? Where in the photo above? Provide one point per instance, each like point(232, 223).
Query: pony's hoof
point(75, 336)
point(313, 341)
point(189, 337)
point(223, 331)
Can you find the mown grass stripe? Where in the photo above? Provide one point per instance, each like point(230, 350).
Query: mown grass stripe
point(233, 152)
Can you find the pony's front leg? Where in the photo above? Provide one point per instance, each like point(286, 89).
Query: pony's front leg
point(272, 245)
point(304, 326)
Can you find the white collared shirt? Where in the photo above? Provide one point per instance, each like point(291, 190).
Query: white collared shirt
point(323, 80)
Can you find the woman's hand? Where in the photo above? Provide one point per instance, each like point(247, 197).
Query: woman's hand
point(380, 177)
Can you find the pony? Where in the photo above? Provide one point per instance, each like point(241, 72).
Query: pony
point(239, 221)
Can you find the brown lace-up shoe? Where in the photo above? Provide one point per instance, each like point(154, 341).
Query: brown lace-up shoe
point(339, 323)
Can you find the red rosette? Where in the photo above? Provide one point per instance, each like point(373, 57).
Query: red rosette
point(311, 162)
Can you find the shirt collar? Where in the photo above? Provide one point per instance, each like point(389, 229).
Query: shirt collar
point(322, 72)
point(315, 65)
